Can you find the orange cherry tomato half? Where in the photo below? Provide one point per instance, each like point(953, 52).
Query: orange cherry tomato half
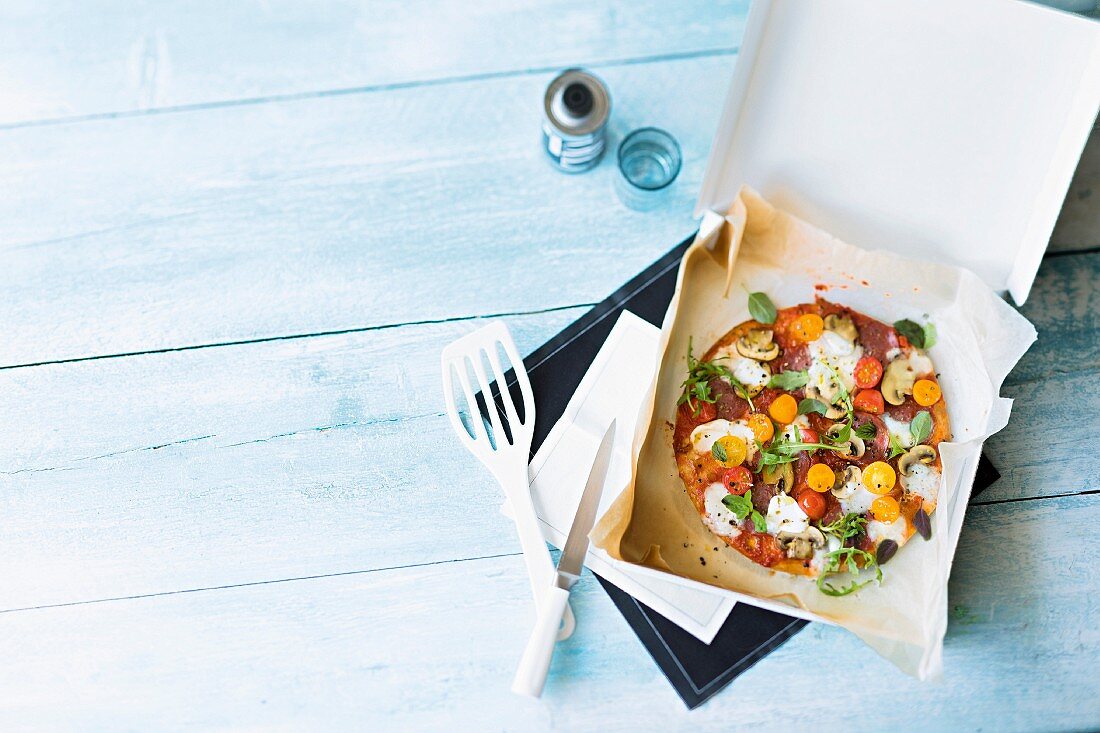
point(807, 327)
point(735, 448)
point(885, 509)
point(926, 392)
point(868, 372)
point(869, 400)
point(761, 426)
point(879, 478)
point(738, 480)
point(812, 503)
point(820, 478)
point(783, 409)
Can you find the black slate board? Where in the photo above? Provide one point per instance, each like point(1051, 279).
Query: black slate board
point(696, 670)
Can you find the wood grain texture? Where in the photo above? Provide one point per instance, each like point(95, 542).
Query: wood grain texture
point(73, 59)
point(330, 454)
point(1078, 225)
point(240, 464)
point(326, 214)
point(252, 171)
point(433, 647)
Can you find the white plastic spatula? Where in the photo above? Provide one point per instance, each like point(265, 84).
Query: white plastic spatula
point(501, 438)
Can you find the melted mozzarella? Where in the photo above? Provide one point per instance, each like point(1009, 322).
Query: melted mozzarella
point(718, 518)
point(784, 515)
point(750, 373)
point(828, 353)
point(923, 480)
point(704, 436)
point(919, 363)
point(788, 431)
point(899, 431)
point(894, 530)
point(832, 544)
point(858, 500)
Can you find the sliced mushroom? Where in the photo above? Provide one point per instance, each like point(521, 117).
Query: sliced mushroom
point(854, 447)
point(801, 546)
point(834, 412)
point(841, 325)
point(781, 476)
point(758, 344)
point(917, 454)
point(897, 381)
point(846, 483)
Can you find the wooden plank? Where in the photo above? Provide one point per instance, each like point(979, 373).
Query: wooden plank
point(299, 457)
point(77, 59)
point(435, 647)
point(1065, 307)
point(292, 458)
point(326, 214)
point(1078, 225)
point(63, 413)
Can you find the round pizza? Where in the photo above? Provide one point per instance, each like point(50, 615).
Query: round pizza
point(808, 439)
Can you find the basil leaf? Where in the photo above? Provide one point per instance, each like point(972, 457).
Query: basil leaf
point(843, 435)
point(758, 521)
point(762, 308)
point(923, 523)
point(867, 431)
point(886, 550)
point(790, 379)
point(921, 427)
point(896, 448)
point(719, 452)
point(808, 405)
point(741, 506)
point(912, 331)
point(929, 335)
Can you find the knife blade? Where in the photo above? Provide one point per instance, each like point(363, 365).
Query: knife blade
point(576, 544)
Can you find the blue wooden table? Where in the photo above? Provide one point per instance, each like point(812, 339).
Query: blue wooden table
point(234, 238)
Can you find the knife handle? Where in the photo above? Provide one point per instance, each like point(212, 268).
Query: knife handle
point(535, 663)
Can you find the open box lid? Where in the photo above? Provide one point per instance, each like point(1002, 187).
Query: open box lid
point(948, 128)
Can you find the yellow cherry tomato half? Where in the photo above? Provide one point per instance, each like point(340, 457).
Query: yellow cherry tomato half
point(735, 448)
point(885, 509)
point(783, 409)
point(879, 478)
point(808, 327)
point(761, 426)
point(926, 392)
point(820, 478)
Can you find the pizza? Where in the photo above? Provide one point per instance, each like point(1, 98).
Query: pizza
point(807, 439)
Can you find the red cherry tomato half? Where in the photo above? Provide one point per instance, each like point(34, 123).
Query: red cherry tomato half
point(868, 372)
point(809, 435)
point(738, 480)
point(812, 503)
point(701, 411)
point(869, 400)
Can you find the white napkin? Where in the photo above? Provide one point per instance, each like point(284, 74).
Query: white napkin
point(614, 387)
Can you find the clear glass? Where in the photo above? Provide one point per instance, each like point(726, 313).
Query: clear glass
point(649, 161)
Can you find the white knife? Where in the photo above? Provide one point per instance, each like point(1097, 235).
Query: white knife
point(535, 663)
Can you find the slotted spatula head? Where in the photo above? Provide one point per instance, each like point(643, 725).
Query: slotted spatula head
point(497, 433)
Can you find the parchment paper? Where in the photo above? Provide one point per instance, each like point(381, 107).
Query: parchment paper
point(757, 247)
